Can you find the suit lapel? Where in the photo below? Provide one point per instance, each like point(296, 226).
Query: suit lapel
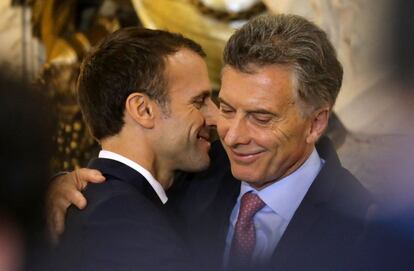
point(215, 222)
point(312, 206)
point(305, 217)
point(124, 173)
point(208, 205)
point(229, 195)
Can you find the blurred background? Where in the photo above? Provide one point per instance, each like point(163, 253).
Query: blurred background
point(44, 41)
point(42, 131)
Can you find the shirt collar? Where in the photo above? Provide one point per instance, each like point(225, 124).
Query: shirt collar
point(147, 175)
point(285, 195)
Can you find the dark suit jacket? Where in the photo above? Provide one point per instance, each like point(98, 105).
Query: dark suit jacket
point(123, 227)
point(324, 233)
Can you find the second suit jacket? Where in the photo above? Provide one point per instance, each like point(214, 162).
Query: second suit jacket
point(124, 227)
point(324, 234)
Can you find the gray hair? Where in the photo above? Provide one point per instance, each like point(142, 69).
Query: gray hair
point(294, 41)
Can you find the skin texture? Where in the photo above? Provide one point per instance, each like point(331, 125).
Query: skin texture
point(164, 138)
point(261, 125)
point(183, 138)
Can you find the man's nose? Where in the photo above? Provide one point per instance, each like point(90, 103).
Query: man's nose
point(211, 114)
point(237, 132)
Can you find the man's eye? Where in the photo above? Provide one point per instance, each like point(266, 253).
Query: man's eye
point(262, 118)
point(199, 103)
point(224, 109)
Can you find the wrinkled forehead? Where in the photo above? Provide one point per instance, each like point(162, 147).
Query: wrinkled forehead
point(267, 87)
point(267, 75)
point(256, 69)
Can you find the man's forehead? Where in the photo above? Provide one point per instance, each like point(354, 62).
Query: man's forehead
point(254, 68)
point(267, 84)
point(187, 71)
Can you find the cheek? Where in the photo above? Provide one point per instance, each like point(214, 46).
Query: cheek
point(266, 137)
point(190, 119)
point(293, 130)
point(222, 126)
point(195, 116)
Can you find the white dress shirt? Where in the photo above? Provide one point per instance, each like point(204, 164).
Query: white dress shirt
point(282, 198)
point(147, 175)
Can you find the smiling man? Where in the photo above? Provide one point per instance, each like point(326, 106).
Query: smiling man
point(145, 95)
point(296, 207)
point(263, 131)
point(284, 205)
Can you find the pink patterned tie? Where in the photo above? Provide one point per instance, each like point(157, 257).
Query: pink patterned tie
point(244, 238)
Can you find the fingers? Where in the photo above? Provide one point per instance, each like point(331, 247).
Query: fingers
point(84, 175)
point(76, 198)
point(64, 191)
point(56, 226)
point(56, 211)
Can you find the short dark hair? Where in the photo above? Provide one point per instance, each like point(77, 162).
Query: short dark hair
point(289, 40)
point(129, 60)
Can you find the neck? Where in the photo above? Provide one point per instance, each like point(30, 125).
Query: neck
point(138, 151)
point(299, 162)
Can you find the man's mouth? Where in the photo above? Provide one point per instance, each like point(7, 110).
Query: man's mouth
point(204, 135)
point(204, 139)
point(244, 157)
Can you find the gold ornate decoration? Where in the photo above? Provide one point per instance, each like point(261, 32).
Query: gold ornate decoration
point(67, 37)
point(228, 16)
point(207, 30)
point(74, 145)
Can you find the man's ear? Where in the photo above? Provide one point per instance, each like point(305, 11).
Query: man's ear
point(140, 108)
point(319, 122)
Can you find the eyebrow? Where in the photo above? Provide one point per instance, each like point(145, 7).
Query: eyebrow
point(261, 111)
point(206, 93)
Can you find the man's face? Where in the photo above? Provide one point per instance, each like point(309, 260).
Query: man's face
point(185, 130)
point(260, 124)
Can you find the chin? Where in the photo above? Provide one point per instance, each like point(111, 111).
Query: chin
point(253, 178)
point(198, 164)
point(245, 175)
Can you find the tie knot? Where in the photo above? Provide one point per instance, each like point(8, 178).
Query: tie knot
point(250, 205)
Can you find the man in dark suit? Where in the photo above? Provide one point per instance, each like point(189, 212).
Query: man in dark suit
point(295, 206)
point(325, 233)
point(145, 95)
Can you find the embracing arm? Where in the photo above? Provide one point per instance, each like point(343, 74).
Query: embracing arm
point(64, 191)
